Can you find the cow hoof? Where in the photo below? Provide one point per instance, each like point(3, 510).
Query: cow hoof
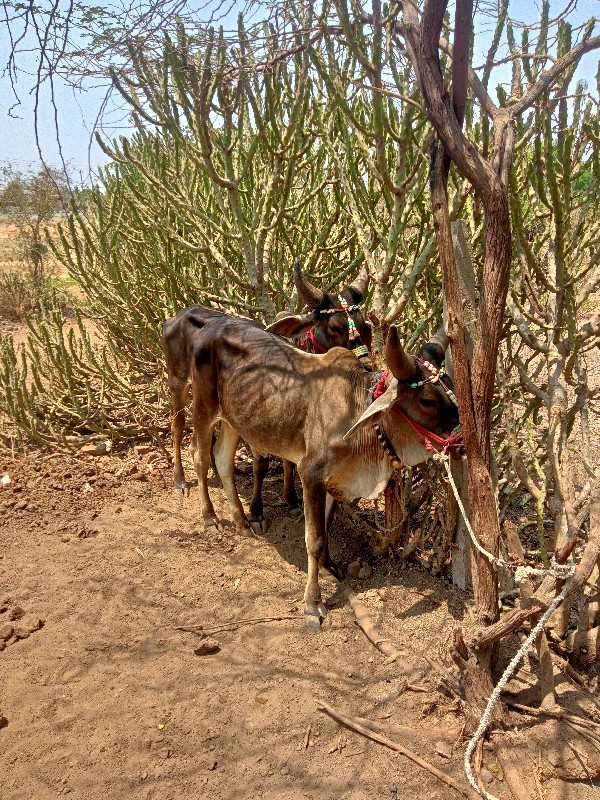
point(259, 526)
point(315, 616)
point(314, 622)
point(322, 610)
point(295, 512)
point(212, 526)
point(245, 530)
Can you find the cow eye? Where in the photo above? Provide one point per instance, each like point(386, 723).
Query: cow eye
point(336, 330)
point(426, 403)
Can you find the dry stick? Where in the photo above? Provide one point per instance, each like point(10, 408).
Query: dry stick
point(307, 737)
point(565, 667)
point(386, 647)
point(591, 737)
point(363, 620)
point(446, 676)
point(434, 735)
point(560, 715)
point(547, 693)
point(353, 724)
point(201, 629)
point(516, 781)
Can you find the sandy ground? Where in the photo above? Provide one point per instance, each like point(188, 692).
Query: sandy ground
point(102, 696)
point(109, 699)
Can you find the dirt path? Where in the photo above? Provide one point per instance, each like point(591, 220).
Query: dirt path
point(109, 700)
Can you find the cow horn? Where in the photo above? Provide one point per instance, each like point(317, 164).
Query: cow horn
point(401, 364)
point(441, 339)
point(435, 349)
point(312, 296)
point(361, 283)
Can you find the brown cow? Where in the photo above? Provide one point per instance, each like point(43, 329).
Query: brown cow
point(316, 411)
point(334, 320)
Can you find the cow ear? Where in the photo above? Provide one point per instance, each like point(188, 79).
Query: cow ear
point(377, 410)
point(293, 325)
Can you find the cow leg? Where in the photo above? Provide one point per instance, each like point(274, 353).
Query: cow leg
point(326, 562)
point(260, 467)
point(201, 449)
point(179, 392)
point(224, 451)
point(289, 489)
point(316, 543)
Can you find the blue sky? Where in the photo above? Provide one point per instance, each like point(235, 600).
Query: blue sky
point(77, 111)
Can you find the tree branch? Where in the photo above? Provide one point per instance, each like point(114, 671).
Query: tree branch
point(549, 76)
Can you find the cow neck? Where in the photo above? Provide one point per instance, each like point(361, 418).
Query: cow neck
point(366, 442)
point(428, 439)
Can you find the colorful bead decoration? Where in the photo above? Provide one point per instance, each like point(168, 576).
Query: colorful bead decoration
point(360, 351)
point(352, 329)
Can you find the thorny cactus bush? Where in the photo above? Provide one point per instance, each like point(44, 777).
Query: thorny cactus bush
point(555, 206)
point(59, 382)
point(167, 226)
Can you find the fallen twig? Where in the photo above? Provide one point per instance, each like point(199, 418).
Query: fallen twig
point(201, 630)
point(517, 782)
point(451, 682)
point(565, 667)
point(432, 734)
point(353, 724)
point(363, 620)
point(413, 687)
point(590, 735)
point(561, 715)
point(307, 737)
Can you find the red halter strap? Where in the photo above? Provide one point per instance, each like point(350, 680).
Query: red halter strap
point(426, 437)
point(310, 337)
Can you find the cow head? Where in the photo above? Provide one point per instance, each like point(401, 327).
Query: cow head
point(331, 325)
point(409, 388)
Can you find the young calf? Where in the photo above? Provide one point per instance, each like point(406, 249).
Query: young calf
point(333, 321)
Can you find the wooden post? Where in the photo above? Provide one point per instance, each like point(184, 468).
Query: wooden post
point(461, 550)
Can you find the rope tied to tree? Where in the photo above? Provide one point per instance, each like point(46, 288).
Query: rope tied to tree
point(562, 571)
point(559, 571)
point(498, 689)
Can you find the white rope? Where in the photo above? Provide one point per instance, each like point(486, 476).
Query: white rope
point(495, 695)
point(521, 571)
point(563, 571)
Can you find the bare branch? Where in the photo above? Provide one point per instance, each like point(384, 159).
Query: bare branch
point(550, 76)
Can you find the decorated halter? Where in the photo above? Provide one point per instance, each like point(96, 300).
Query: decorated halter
point(435, 377)
point(359, 350)
point(426, 437)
